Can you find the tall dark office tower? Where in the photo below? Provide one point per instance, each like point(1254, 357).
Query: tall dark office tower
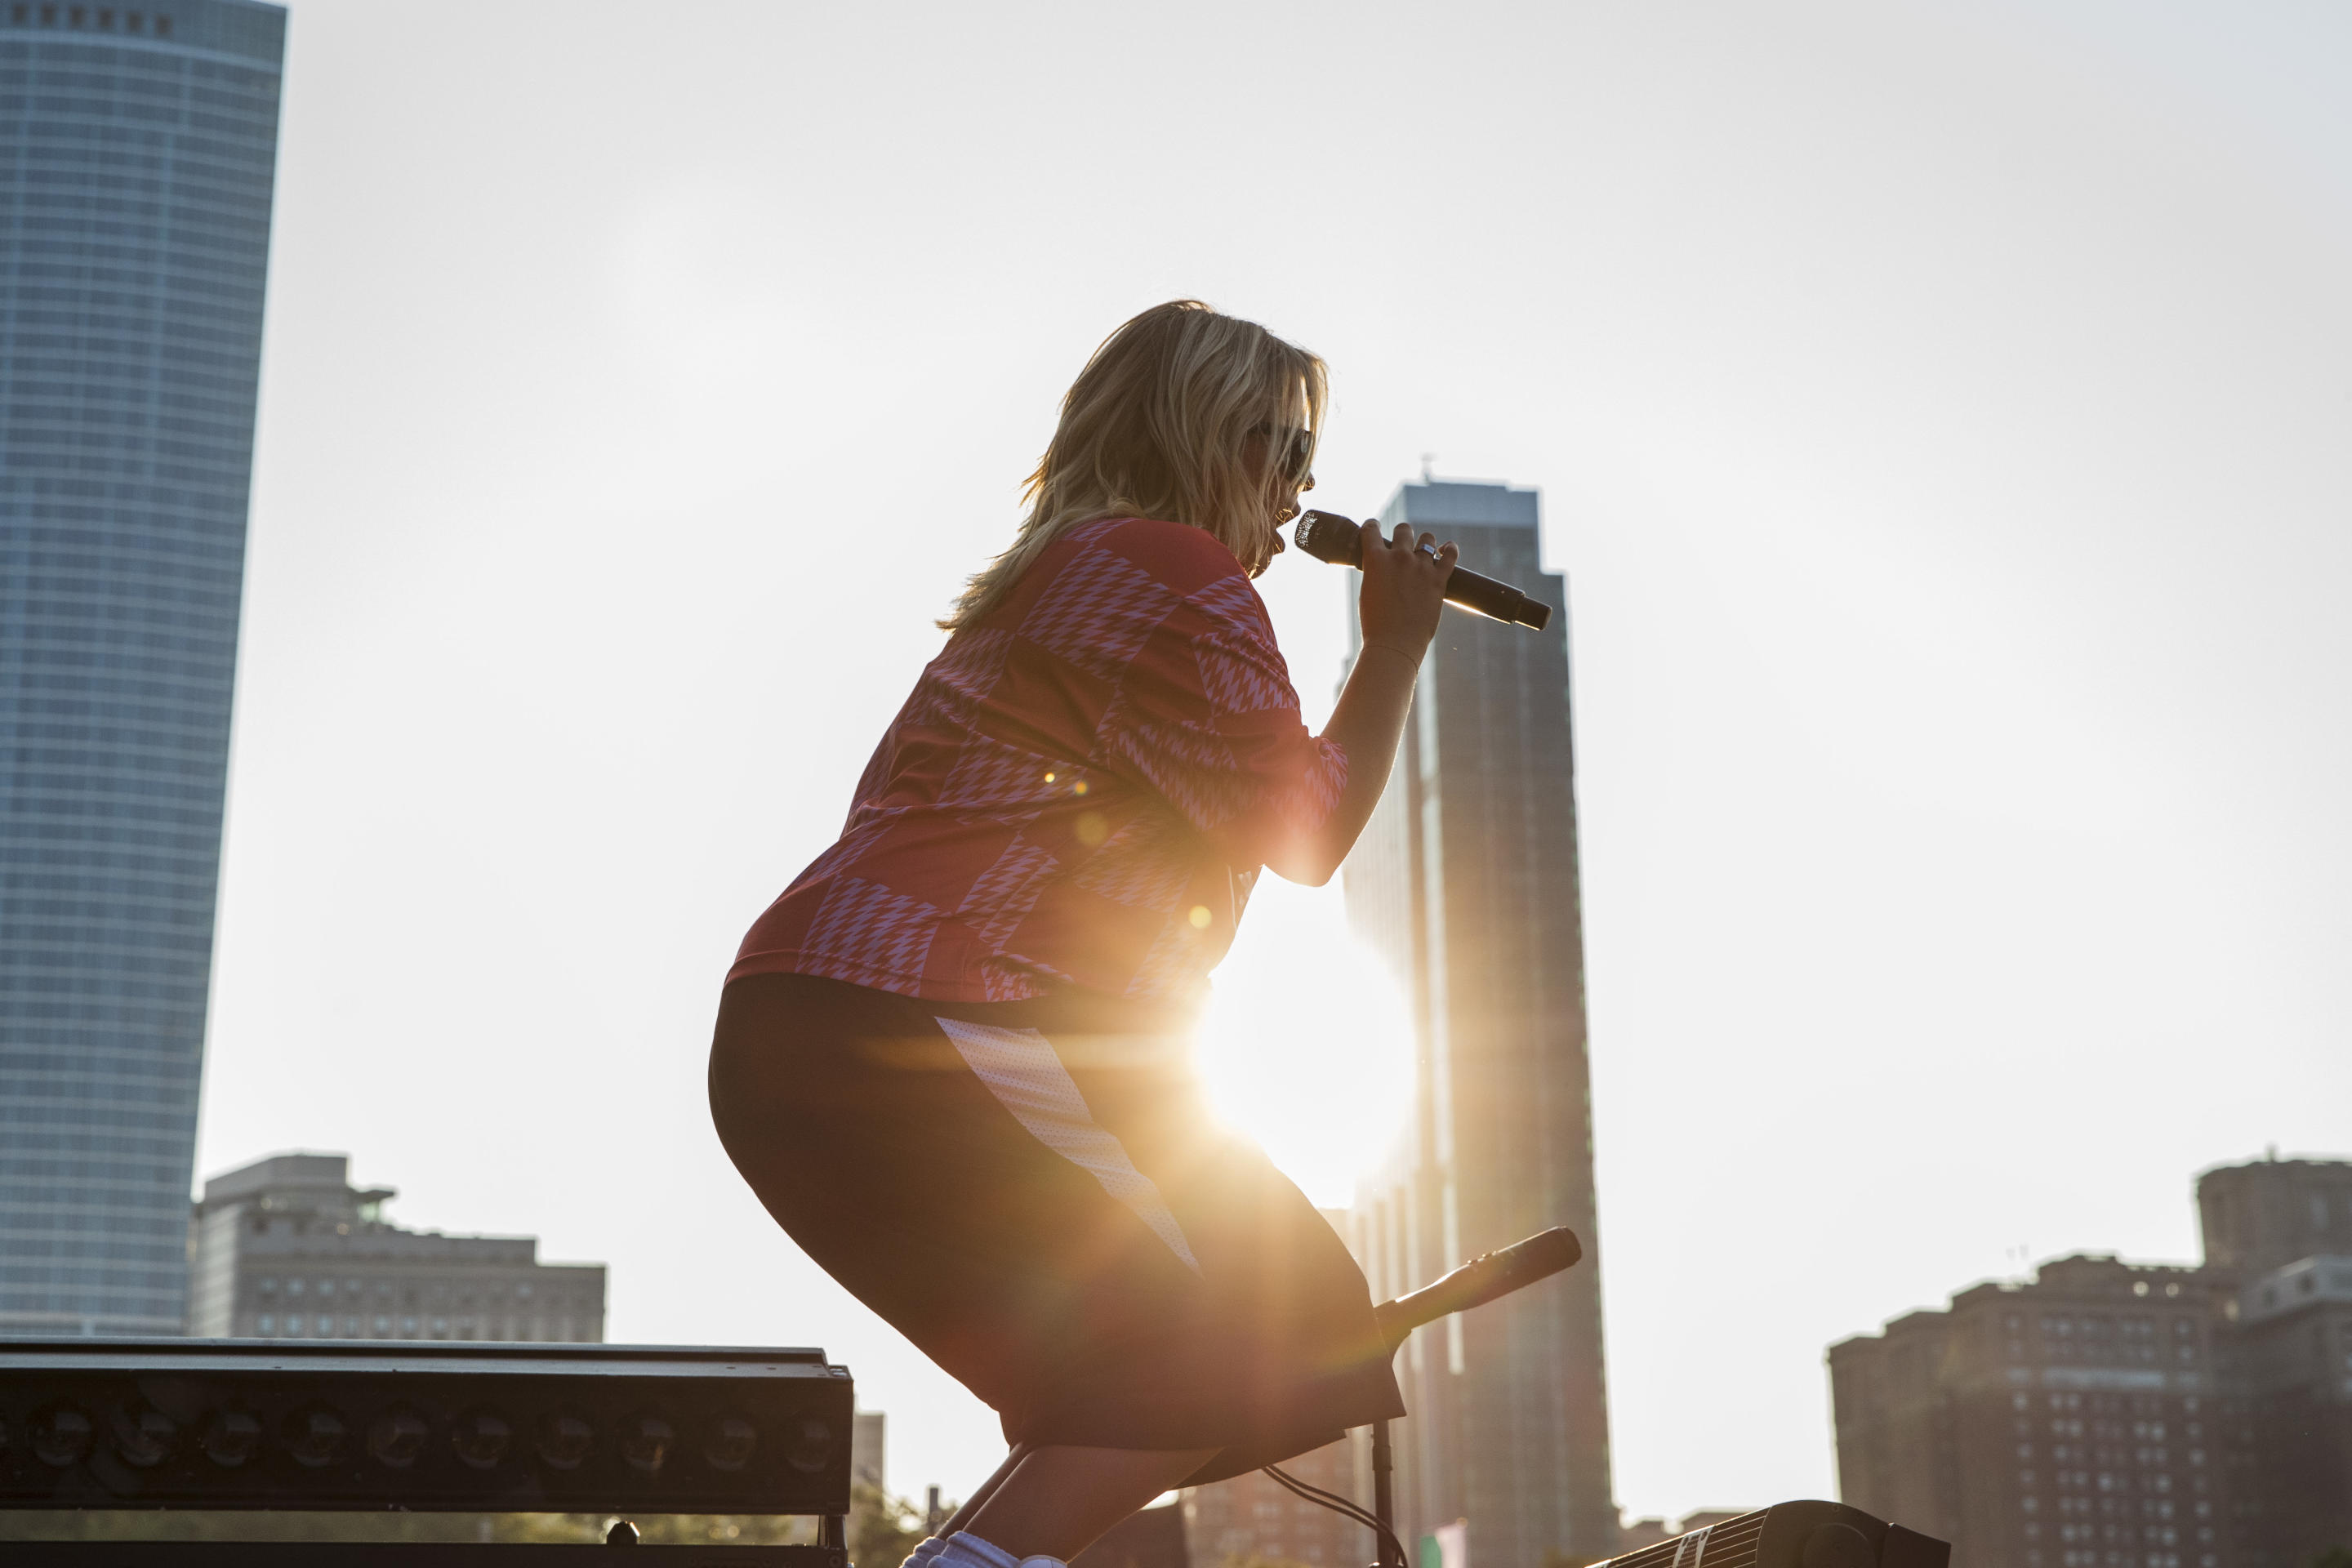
point(138, 148)
point(1466, 880)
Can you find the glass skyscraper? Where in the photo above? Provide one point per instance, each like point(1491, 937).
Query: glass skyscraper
point(1466, 880)
point(138, 150)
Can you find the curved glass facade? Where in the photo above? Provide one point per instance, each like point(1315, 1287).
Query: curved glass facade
point(137, 154)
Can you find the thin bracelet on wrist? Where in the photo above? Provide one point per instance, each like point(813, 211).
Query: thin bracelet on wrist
point(1411, 658)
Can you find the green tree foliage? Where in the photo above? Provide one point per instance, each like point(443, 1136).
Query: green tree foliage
point(882, 1528)
point(1559, 1557)
point(196, 1524)
point(662, 1528)
point(561, 1529)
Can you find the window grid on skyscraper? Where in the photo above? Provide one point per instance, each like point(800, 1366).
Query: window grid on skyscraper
point(138, 151)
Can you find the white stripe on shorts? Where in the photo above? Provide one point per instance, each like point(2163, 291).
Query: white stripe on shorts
point(1019, 1068)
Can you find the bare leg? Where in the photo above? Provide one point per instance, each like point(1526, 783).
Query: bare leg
point(1057, 1500)
point(970, 1509)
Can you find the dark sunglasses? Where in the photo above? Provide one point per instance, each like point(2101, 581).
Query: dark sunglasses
point(1295, 462)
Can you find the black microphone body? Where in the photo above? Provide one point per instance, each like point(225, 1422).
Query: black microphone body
point(1479, 1281)
point(1328, 536)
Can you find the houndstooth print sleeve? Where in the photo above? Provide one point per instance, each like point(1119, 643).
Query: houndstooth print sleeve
point(1205, 717)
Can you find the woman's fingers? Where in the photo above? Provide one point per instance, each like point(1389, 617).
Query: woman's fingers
point(1403, 541)
point(1419, 554)
point(1403, 587)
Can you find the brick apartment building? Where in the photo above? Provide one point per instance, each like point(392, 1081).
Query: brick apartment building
point(1251, 1517)
point(2112, 1414)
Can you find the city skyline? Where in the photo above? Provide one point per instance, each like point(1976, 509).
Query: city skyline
point(138, 155)
point(1939, 408)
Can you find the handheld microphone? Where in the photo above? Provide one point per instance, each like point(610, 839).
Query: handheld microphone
point(1328, 536)
point(1479, 1281)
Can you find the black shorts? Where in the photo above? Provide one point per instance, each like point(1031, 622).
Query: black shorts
point(1034, 1193)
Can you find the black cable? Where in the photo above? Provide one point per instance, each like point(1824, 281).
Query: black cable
point(1337, 1504)
point(1343, 1506)
point(1322, 1498)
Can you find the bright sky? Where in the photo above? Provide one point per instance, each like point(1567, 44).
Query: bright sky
point(1944, 415)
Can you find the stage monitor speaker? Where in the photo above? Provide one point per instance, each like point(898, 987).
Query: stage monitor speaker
point(1793, 1535)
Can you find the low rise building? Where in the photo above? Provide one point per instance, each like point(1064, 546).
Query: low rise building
point(2266, 1214)
point(1149, 1538)
point(287, 1248)
point(2071, 1421)
point(867, 1440)
point(2115, 1414)
point(2288, 1364)
point(1251, 1518)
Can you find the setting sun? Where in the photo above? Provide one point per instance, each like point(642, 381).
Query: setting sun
point(1308, 1047)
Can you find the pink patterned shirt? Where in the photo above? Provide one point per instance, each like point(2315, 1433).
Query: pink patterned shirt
point(1080, 792)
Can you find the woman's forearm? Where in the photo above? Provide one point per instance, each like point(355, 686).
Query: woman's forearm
point(1366, 723)
point(1402, 593)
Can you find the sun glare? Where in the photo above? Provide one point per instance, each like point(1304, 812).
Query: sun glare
point(1307, 1047)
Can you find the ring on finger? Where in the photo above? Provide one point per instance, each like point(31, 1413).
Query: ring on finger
point(1429, 548)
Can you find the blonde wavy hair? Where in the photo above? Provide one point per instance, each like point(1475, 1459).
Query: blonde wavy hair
point(1160, 425)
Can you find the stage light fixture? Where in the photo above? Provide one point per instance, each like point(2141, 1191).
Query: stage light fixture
point(61, 1436)
point(481, 1438)
point(397, 1437)
point(231, 1438)
point(144, 1436)
point(235, 1425)
point(564, 1439)
point(733, 1441)
point(645, 1443)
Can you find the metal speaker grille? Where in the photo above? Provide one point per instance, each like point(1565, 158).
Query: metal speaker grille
point(1731, 1544)
point(1802, 1534)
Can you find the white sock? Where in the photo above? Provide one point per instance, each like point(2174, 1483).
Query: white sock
point(965, 1549)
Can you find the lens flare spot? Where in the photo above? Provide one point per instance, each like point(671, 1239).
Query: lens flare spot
point(1200, 917)
point(1307, 1046)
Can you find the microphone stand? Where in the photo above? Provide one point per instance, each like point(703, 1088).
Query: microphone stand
point(1482, 1279)
point(1384, 1498)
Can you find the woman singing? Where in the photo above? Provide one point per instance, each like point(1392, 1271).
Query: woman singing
point(952, 1060)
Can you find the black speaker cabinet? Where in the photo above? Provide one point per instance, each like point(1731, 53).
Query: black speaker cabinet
point(1794, 1535)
